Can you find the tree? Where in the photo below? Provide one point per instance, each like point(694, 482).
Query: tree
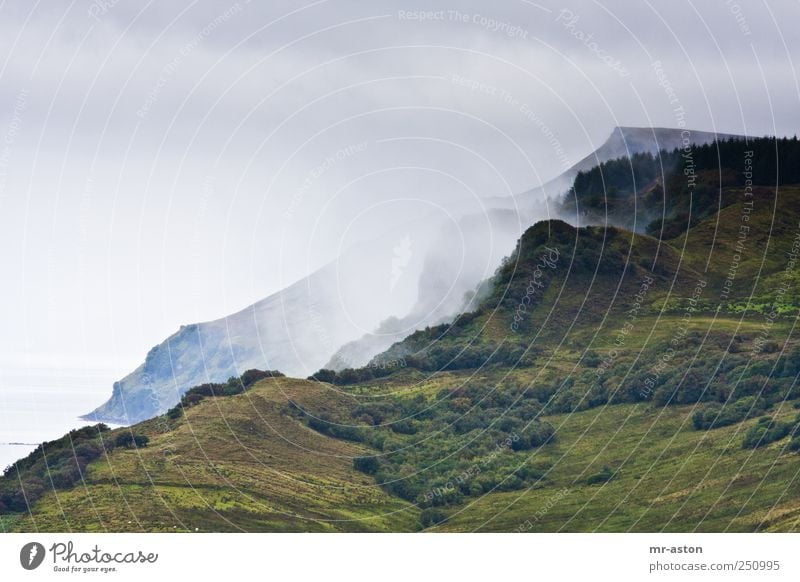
point(324, 375)
point(124, 439)
point(129, 440)
point(368, 465)
point(768, 430)
point(430, 517)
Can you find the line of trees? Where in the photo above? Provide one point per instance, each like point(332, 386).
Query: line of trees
point(233, 386)
point(687, 185)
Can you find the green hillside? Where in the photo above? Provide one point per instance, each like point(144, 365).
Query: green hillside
point(235, 463)
point(606, 380)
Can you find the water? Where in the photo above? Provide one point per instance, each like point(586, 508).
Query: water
point(42, 405)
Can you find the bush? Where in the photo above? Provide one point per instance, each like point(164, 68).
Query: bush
point(404, 427)
point(250, 377)
point(328, 427)
point(768, 430)
point(55, 464)
point(231, 387)
point(128, 440)
point(535, 435)
point(124, 439)
point(368, 465)
point(324, 375)
point(605, 475)
point(175, 412)
point(64, 476)
point(430, 517)
point(715, 415)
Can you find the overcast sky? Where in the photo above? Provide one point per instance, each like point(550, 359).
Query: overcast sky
point(165, 162)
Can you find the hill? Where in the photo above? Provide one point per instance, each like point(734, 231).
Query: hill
point(605, 380)
point(236, 463)
point(320, 320)
point(623, 143)
point(461, 277)
point(294, 330)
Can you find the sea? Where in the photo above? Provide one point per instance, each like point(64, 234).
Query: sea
point(38, 405)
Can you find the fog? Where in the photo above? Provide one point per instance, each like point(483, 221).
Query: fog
point(166, 164)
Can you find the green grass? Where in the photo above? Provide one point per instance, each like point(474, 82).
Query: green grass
point(670, 477)
point(238, 463)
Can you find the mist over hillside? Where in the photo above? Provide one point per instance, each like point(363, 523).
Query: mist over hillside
point(679, 345)
point(375, 294)
point(551, 200)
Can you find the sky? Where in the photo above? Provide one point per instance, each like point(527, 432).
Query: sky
point(167, 163)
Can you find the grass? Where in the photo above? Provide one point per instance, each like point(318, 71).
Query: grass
point(669, 477)
point(238, 463)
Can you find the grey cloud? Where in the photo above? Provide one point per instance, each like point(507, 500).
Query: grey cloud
point(134, 108)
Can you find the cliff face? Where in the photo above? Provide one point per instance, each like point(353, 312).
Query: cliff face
point(294, 331)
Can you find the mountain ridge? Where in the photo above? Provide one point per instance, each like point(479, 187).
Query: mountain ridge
point(486, 423)
point(622, 142)
point(301, 328)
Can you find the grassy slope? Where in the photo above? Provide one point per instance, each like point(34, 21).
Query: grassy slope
point(670, 478)
point(673, 477)
point(231, 464)
point(228, 469)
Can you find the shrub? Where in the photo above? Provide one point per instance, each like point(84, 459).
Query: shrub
point(605, 475)
point(124, 439)
point(368, 465)
point(324, 375)
point(430, 517)
point(404, 427)
point(65, 475)
point(328, 427)
point(535, 435)
point(768, 430)
point(231, 387)
point(55, 464)
point(715, 415)
point(128, 440)
point(175, 412)
point(250, 377)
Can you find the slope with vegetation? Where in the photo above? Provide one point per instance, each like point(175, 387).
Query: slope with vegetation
point(607, 380)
